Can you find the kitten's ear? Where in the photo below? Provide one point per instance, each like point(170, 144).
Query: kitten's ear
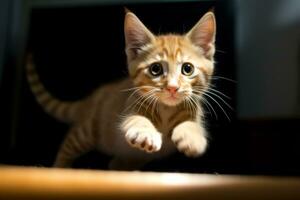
point(136, 35)
point(203, 34)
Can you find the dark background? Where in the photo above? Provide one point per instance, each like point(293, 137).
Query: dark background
point(78, 48)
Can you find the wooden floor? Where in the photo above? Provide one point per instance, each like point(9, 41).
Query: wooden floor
point(44, 183)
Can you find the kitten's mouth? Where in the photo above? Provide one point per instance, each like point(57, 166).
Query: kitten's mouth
point(172, 96)
point(171, 99)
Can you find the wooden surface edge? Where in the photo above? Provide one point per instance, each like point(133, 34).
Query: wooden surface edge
point(50, 183)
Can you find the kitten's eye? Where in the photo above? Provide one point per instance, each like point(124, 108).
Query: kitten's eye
point(156, 69)
point(187, 69)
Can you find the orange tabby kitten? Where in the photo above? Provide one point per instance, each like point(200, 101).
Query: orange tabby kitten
point(152, 113)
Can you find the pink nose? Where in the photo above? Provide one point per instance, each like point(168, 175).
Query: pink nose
point(172, 89)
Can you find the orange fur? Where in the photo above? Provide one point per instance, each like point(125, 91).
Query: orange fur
point(155, 114)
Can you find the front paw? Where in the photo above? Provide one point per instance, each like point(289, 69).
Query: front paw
point(190, 140)
point(145, 139)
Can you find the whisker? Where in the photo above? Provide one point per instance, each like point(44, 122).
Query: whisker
point(133, 93)
point(197, 105)
point(192, 106)
point(155, 106)
point(184, 104)
point(152, 106)
point(210, 106)
point(136, 89)
point(152, 98)
point(141, 97)
point(187, 105)
point(134, 104)
point(224, 78)
point(217, 104)
point(205, 101)
point(217, 91)
point(217, 50)
point(139, 87)
point(147, 96)
point(195, 102)
point(220, 99)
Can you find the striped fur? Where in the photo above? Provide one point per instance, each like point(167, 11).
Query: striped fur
point(142, 117)
point(61, 110)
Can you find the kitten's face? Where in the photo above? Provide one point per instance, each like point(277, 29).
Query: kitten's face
point(170, 68)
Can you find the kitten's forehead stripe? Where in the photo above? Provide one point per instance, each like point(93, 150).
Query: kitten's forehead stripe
point(165, 51)
point(178, 53)
point(170, 46)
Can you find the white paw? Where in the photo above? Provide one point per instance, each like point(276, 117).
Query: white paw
point(190, 143)
point(145, 139)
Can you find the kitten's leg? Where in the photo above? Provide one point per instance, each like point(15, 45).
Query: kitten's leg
point(190, 138)
point(141, 133)
point(79, 140)
point(118, 163)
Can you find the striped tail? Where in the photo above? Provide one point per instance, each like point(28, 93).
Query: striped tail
point(61, 110)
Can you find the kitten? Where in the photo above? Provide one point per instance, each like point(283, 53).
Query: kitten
point(152, 113)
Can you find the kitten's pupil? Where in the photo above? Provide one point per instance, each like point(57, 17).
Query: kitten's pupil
point(187, 69)
point(156, 69)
